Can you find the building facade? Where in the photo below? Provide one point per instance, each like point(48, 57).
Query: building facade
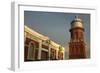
point(38, 47)
point(77, 46)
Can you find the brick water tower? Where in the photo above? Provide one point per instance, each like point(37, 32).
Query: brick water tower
point(77, 44)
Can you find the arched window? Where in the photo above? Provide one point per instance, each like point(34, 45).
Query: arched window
point(82, 36)
point(31, 52)
point(76, 35)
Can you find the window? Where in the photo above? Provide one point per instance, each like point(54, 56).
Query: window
point(53, 54)
point(31, 52)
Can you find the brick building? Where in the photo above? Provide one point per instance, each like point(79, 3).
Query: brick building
point(77, 46)
point(39, 47)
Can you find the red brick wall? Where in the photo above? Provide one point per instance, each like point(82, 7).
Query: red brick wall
point(77, 50)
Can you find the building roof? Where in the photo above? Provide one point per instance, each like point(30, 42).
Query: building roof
point(42, 37)
point(34, 33)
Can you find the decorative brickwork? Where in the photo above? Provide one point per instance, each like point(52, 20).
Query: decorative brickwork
point(77, 45)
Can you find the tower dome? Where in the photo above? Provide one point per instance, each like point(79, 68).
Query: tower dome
point(77, 22)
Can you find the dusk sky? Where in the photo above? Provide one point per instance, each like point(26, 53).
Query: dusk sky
point(56, 25)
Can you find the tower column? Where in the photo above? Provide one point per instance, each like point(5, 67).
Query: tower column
point(77, 44)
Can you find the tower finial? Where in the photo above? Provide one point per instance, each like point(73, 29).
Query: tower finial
point(77, 17)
